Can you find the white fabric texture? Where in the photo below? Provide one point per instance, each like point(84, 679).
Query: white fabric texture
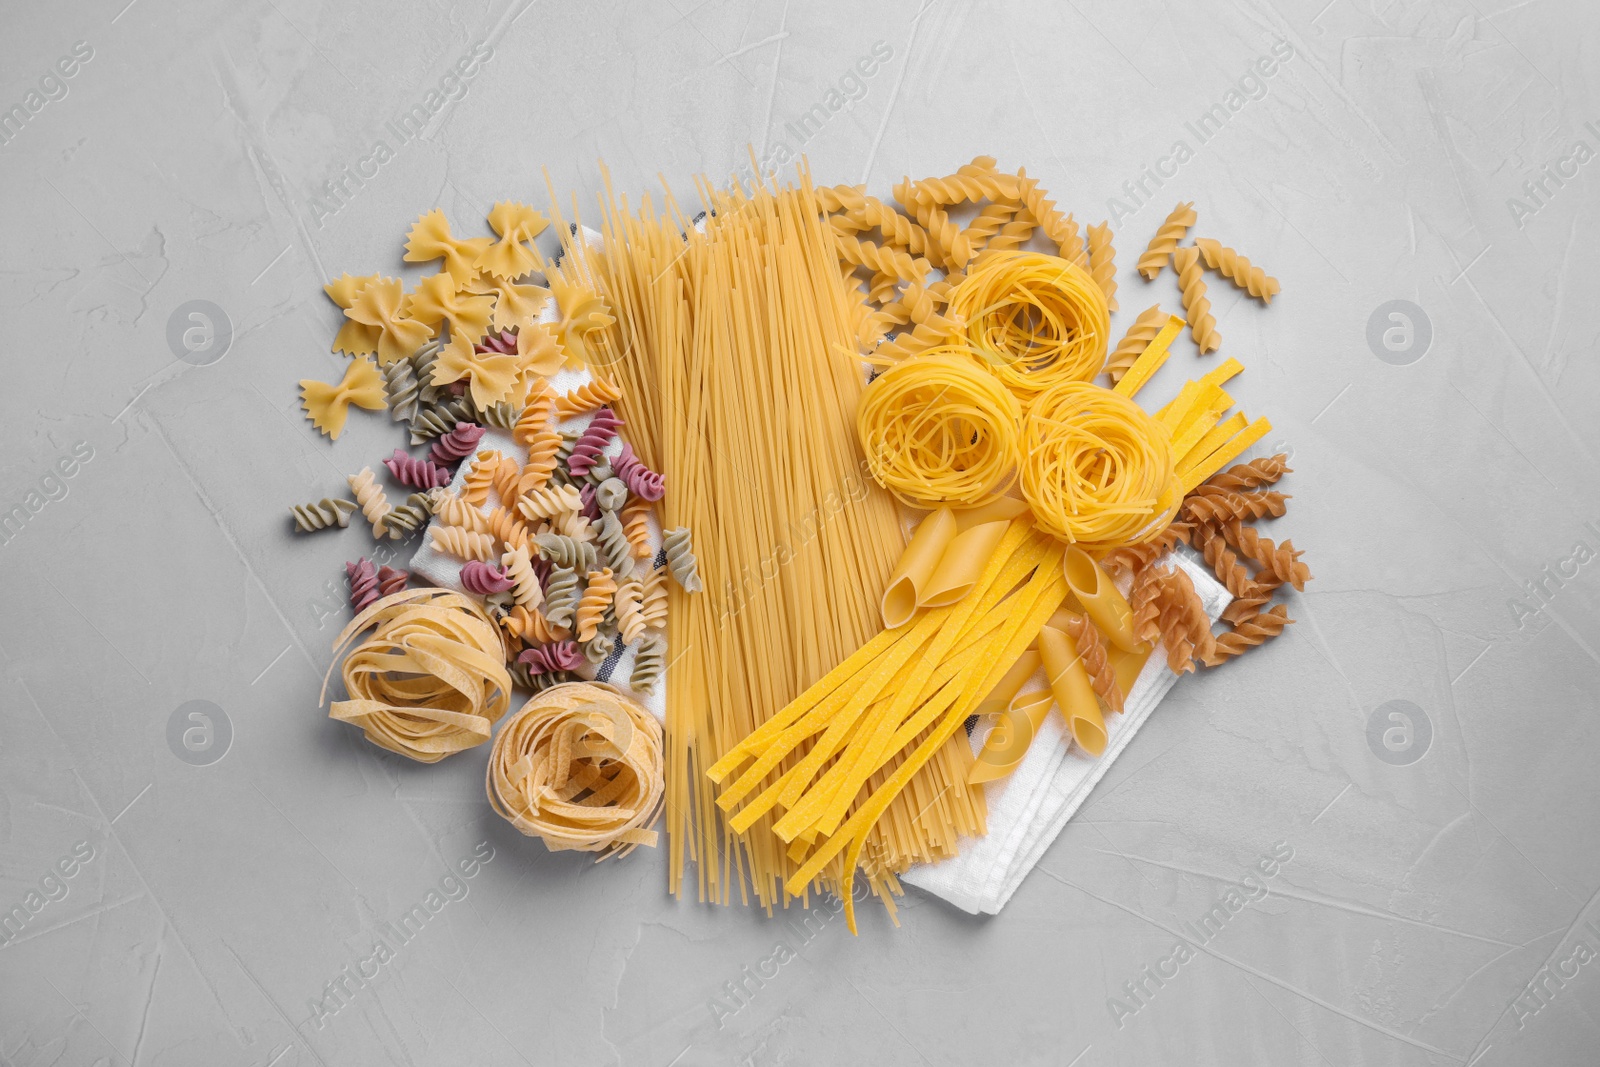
point(1028, 808)
point(445, 570)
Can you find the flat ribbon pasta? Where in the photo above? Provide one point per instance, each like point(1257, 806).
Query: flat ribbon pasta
point(580, 768)
point(326, 405)
point(429, 680)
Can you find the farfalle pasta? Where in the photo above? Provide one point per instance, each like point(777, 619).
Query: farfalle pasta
point(326, 405)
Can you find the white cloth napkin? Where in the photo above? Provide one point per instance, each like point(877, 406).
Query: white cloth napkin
point(1028, 808)
point(445, 570)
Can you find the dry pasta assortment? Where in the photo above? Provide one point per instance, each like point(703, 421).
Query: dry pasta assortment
point(706, 429)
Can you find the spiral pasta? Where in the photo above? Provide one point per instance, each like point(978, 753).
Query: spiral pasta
point(939, 429)
point(549, 502)
point(1196, 307)
point(1135, 341)
point(882, 259)
point(1167, 236)
point(586, 397)
point(1248, 633)
point(614, 546)
point(518, 566)
point(597, 594)
point(579, 766)
point(654, 605)
point(561, 595)
point(457, 444)
point(453, 511)
point(679, 547)
point(1238, 269)
point(566, 551)
point(428, 680)
point(648, 662)
point(543, 448)
point(1097, 470)
point(1036, 320)
point(462, 543)
point(535, 416)
point(1103, 263)
point(480, 477)
point(322, 514)
point(370, 498)
point(629, 605)
point(636, 524)
point(530, 624)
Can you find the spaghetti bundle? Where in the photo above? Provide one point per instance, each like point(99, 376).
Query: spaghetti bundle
point(1097, 471)
point(1037, 320)
point(429, 681)
point(579, 767)
point(735, 335)
point(939, 429)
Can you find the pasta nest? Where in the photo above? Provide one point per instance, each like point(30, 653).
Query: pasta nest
point(1096, 469)
point(938, 428)
point(1036, 320)
point(428, 680)
point(579, 767)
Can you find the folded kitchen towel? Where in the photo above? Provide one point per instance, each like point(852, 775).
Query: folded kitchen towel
point(1028, 808)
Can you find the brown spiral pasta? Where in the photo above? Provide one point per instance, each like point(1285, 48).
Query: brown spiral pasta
point(1209, 504)
point(1247, 634)
point(1185, 626)
point(1252, 475)
point(1161, 246)
point(1092, 648)
point(1281, 561)
point(1130, 559)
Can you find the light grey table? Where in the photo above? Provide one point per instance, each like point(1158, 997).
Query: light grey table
point(1421, 744)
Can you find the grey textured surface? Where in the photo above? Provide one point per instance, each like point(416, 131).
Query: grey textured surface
point(1436, 910)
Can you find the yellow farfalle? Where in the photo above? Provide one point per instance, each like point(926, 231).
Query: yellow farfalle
point(430, 239)
point(582, 313)
point(436, 300)
point(515, 306)
point(490, 375)
point(515, 223)
point(354, 338)
point(540, 352)
point(380, 304)
point(326, 405)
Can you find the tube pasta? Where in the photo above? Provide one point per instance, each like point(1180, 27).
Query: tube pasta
point(1069, 681)
point(917, 565)
point(1099, 597)
point(1005, 746)
point(1013, 733)
point(1006, 507)
point(962, 563)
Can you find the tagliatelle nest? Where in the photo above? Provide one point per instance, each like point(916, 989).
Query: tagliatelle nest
point(579, 767)
point(429, 680)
